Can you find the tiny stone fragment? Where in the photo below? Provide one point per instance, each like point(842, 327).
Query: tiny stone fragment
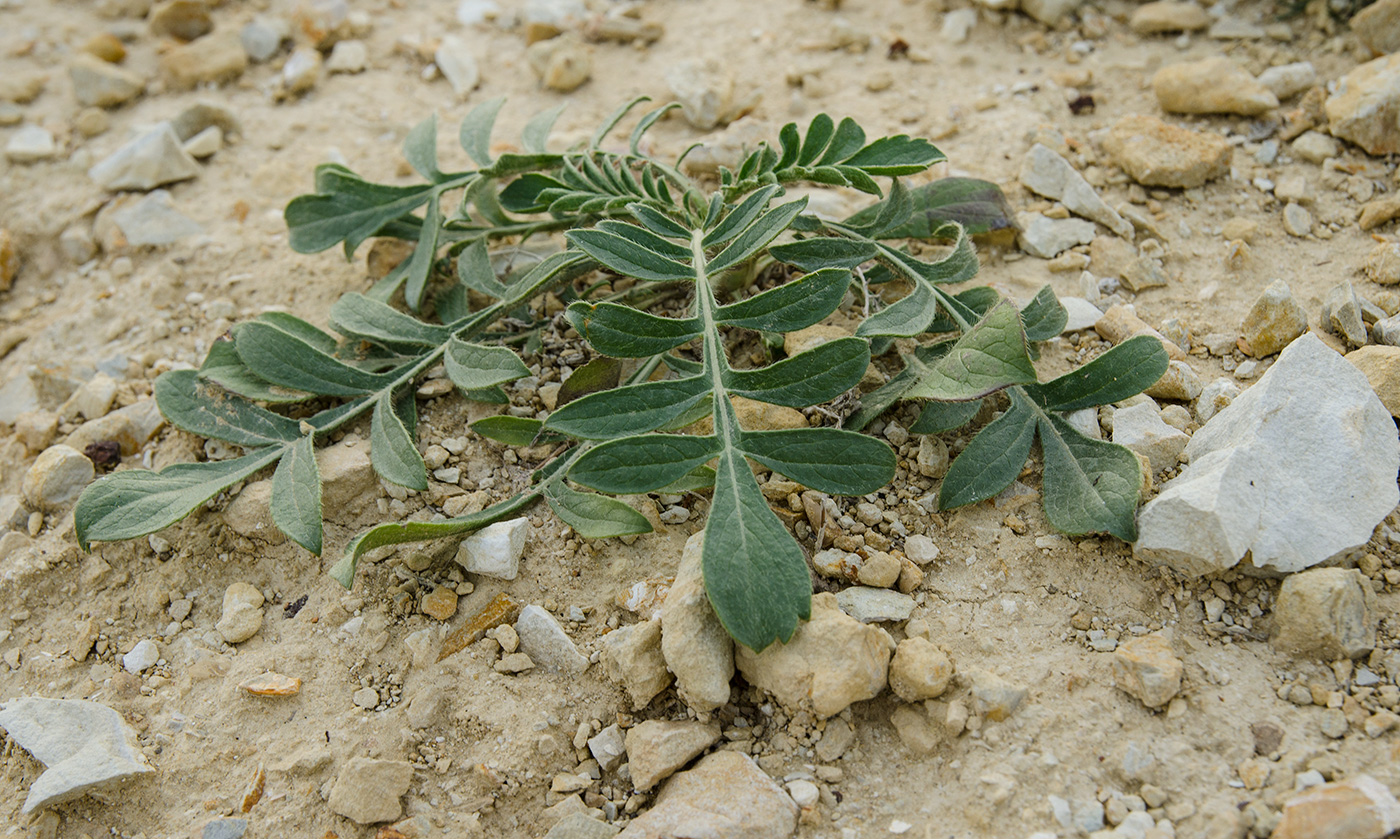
point(271, 684)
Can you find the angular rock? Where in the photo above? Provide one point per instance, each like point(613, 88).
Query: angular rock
point(455, 59)
point(262, 37)
point(1156, 154)
point(495, 550)
point(1378, 26)
point(1296, 470)
point(250, 514)
point(1179, 384)
point(1357, 808)
point(1274, 321)
point(302, 71)
point(916, 731)
point(1121, 322)
point(562, 64)
point(347, 477)
point(1141, 429)
point(1382, 265)
point(1381, 366)
point(1147, 669)
point(547, 644)
point(1289, 80)
point(241, 616)
point(921, 549)
point(348, 57)
point(367, 791)
point(581, 826)
point(1341, 315)
point(1047, 173)
point(1211, 86)
point(153, 220)
point(1365, 106)
point(831, 661)
point(217, 57)
point(709, 93)
point(632, 655)
point(875, 605)
point(84, 746)
point(1329, 613)
point(151, 160)
point(98, 83)
point(203, 115)
point(993, 697)
point(1046, 237)
point(608, 747)
point(1168, 16)
point(224, 829)
point(726, 796)
point(56, 479)
point(655, 749)
point(694, 643)
point(919, 670)
point(205, 143)
point(31, 144)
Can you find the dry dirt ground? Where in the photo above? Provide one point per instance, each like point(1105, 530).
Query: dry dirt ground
point(997, 599)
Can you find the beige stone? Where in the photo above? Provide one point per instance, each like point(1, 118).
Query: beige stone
point(919, 670)
point(656, 749)
point(1357, 808)
point(1366, 106)
point(1211, 86)
point(1147, 669)
point(1121, 322)
point(217, 57)
point(725, 796)
point(632, 656)
point(1168, 16)
point(1378, 27)
point(367, 791)
point(1154, 153)
point(1273, 322)
point(1381, 364)
point(916, 731)
point(1326, 613)
point(693, 642)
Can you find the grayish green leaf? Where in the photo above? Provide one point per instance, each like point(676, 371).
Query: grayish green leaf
point(475, 272)
point(358, 316)
point(205, 409)
point(1126, 370)
point(536, 134)
point(1089, 485)
point(296, 495)
point(738, 219)
point(594, 516)
point(627, 258)
point(817, 375)
point(474, 367)
point(991, 461)
point(346, 208)
point(600, 374)
point(391, 447)
point(757, 235)
point(1044, 317)
point(475, 132)
point(791, 306)
point(825, 459)
point(937, 417)
point(225, 368)
point(420, 265)
point(288, 361)
point(991, 356)
point(642, 464)
point(824, 252)
point(420, 149)
point(632, 409)
point(625, 332)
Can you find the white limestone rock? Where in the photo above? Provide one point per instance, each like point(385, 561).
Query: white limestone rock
point(84, 746)
point(1047, 173)
point(151, 160)
point(544, 640)
point(1142, 430)
point(1296, 470)
point(495, 550)
point(1047, 238)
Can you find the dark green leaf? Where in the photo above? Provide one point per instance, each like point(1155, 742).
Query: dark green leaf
point(642, 464)
point(890, 213)
point(979, 206)
point(136, 502)
point(358, 316)
point(513, 431)
point(825, 459)
point(815, 376)
point(626, 257)
point(420, 149)
point(391, 447)
point(536, 133)
point(290, 362)
point(757, 235)
point(849, 139)
point(1089, 485)
point(897, 155)
point(825, 252)
point(701, 477)
point(976, 302)
point(624, 332)
point(205, 409)
point(738, 219)
point(633, 409)
point(600, 374)
point(819, 134)
point(945, 416)
point(474, 367)
point(790, 140)
point(347, 209)
point(475, 133)
point(524, 194)
point(791, 306)
point(646, 239)
point(594, 516)
point(991, 461)
point(755, 574)
point(658, 222)
point(1044, 317)
point(908, 316)
point(989, 357)
point(1126, 370)
point(296, 495)
point(420, 265)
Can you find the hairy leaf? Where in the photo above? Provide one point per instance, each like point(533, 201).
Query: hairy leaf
point(989, 357)
point(420, 148)
point(1089, 485)
point(817, 375)
point(632, 409)
point(825, 459)
point(296, 495)
point(642, 464)
point(474, 367)
point(627, 257)
point(1126, 370)
point(624, 332)
point(791, 306)
point(824, 252)
point(979, 206)
point(225, 368)
point(601, 373)
point(945, 416)
point(291, 362)
point(205, 409)
point(346, 208)
point(391, 447)
point(758, 234)
point(1044, 317)
point(475, 131)
point(513, 431)
point(991, 461)
point(358, 316)
point(595, 516)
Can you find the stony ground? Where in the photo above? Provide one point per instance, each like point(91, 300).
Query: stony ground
point(1040, 686)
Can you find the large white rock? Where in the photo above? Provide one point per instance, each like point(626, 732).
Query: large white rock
point(1298, 469)
point(495, 550)
point(84, 747)
point(1045, 172)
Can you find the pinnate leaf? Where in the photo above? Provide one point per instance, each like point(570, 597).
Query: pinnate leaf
point(791, 306)
point(625, 332)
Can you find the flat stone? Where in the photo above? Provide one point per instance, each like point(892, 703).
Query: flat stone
point(994, 697)
point(1081, 314)
point(632, 656)
point(581, 826)
point(916, 730)
point(440, 604)
point(919, 670)
point(217, 57)
point(1168, 16)
point(1341, 315)
point(151, 160)
point(205, 144)
point(100, 84)
point(1297, 221)
point(1048, 174)
point(153, 220)
point(56, 478)
point(1365, 104)
point(1211, 86)
point(1357, 808)
point(184, 20)
point(1119, 323)
point(1179, 384)
point(31, 144)
point(241, 616)
point(1296, 470)
point(22, 86)
point(921, 549)
point(1288, 80)
point(875, 605)
point(495, 550)
point(656, 749)
point(1328, 613)
point(367, 791)
point(1046, 237)
point(693, 641)
point(547, 643)
point(348, 57)
point(1314, 147)
point(1234, 29)
point(726, 796)
point(458, 65)
point(709, 93)
point(1147, 669)
point(1154, 153)
point(224, 829)
point(1378, 27)
point(831, 661)
point(608, 747)
point(1141, 429)
point(84, 746)
point(1274, 321)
